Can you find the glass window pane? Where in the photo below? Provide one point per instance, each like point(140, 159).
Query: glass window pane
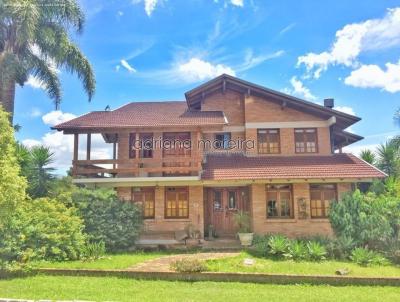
point(231, 199)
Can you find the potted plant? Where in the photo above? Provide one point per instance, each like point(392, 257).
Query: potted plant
point(242, 220)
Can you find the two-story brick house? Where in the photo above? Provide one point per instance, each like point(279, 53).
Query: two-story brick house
point(240, 147)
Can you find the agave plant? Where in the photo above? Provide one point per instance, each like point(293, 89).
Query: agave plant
point(316, 251)
point(297, 250)
point(278, 245)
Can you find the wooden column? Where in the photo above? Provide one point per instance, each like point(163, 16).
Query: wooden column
point(88, 145)
point(76, 146)
point(114, 153)
point(137, 144)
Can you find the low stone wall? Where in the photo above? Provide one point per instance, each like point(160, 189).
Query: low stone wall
point(230, 277)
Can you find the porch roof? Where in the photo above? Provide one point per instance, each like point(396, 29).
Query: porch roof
point(335, 166)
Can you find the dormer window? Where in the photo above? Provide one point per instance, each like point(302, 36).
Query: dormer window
point(306, 140)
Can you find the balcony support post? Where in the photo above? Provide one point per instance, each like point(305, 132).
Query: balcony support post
point(88, 145)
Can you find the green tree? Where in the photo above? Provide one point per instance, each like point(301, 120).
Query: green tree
point(368, 156)
point(34, 41)
point(12, 184)
point(24, 158)
point(40, 174)
point(388, 158)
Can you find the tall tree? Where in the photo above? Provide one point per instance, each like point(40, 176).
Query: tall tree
point(40, 175)
point(368, 156)
point(12, 185)
point(388, 158)
point(34, 40)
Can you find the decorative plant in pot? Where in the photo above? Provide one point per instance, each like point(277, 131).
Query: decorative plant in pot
point(242, 220)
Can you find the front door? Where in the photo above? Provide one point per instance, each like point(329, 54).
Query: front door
point(222, 204)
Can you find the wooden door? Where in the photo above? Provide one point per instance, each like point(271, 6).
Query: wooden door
point(223, 204)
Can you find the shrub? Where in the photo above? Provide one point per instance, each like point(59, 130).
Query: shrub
point(188, 265)
point(297, 250)
point(242, 221)
point(42, 229)
point(365, 257)
point(260, 244)
point(316, 251)
point(362, 218)
point(94, 250)
point(107, 218)
point(278, 245)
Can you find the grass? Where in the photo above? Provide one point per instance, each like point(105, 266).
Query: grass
point(119, 289)
point(262, 265)
point(117, 261)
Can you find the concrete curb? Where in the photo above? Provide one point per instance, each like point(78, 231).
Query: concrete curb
point(229, 277)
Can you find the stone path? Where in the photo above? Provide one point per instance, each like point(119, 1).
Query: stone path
point(162, 264)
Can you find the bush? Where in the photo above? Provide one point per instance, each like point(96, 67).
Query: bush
point(340, 248)
point(260, 244)
point(278, 245)
point(94, 250)
point(316, 251)
point(188, 265)
point(297, 250)
point(362, 218)
point(42, 229)
point(108, 219)
point(365, 257)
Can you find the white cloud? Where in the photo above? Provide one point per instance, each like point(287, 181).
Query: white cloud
point(57, 117)
point(372, 76)
point(287, 28)
point(35, 112)
point(298, 89)
point(345, 109)
point(197, 69)
point(237, 3)
point(128, 67)
point(353, 39)
point(35, 83)
point(251, 60)
point(149, 5)
point(120, 13)
point(356, 149)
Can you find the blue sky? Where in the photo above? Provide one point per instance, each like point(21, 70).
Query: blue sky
point(156, 50)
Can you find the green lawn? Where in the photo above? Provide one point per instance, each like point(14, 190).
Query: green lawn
point(235, 264)
point(118, 261)
point(115, 289)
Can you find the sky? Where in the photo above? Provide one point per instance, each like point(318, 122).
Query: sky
point(156, 50)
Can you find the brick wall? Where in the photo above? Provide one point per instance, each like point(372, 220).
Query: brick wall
point(290, 227)
point(159, 223)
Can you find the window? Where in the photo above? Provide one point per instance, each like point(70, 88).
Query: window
point(306, 140)
point(176, 203)
point(321, 197)
point(222, 140)
point(217, 200)
point(232, 200)
point(268, 141)
point(176, 144)
point(132, 145)
point(145, 197)
point(279, 201)
point(146, 145)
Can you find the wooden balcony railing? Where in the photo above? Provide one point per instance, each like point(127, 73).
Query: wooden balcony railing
point(136, 167)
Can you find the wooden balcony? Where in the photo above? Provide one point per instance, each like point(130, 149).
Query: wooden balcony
point(172, 165)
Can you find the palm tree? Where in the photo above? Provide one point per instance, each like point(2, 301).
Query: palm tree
point(368, 156)
point(388, 158)
point(34, 41)
point(40, 175)
point(24, 158)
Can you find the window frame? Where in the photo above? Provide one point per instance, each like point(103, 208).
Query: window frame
point(304, 141)
point(268, 141)
point(142, 137)
point(143, 191)
point(225, 143)
point(177, 136)
point(323, 200)
point(177, 190)
point(278, 200)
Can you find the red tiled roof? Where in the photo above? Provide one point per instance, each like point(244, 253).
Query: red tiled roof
point(145, 114)
point(231, 167)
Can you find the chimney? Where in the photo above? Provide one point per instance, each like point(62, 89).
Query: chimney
point(329, 103)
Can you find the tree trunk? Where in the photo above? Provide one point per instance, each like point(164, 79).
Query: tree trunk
point(7, 95)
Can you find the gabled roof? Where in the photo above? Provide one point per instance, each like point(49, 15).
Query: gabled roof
point(335, 166)
point(225, 82)
point(145, 114)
